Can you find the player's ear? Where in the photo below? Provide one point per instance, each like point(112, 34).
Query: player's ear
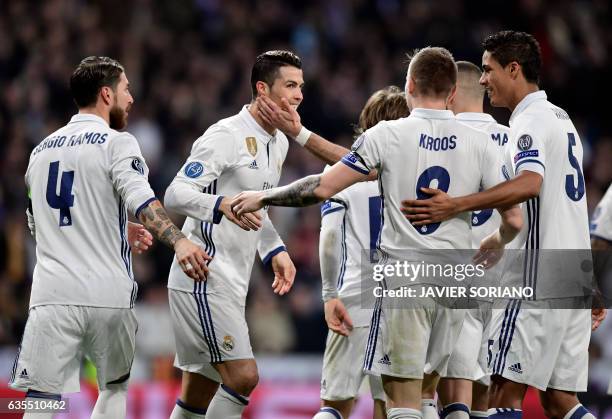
point(410, 86)
point(106, 93)
point(262, 88)
point(451, 97)
point(513, 69)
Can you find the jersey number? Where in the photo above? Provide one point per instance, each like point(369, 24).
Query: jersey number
point(441, 176)
point(375, 208)
point(574, 193)
point(65, 199)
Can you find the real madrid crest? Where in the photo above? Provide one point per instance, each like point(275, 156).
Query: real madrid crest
point(228, 342)
point(251, 144)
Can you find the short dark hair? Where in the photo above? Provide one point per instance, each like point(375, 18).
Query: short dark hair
point(384, 105)
point(468, 76)
point(509, 46)
point(90, 76)
point(434, 71)
point(267, 64)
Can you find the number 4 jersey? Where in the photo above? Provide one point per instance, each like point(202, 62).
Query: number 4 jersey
point(81, 180)
point(429, 148)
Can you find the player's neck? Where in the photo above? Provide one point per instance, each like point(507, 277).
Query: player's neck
point(96, 110)
point(267, 127)
point(429, 103)
point(472, 108)
point(520, 93)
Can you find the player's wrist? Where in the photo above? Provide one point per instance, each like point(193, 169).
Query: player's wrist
point(302, 136)
point(327, 296)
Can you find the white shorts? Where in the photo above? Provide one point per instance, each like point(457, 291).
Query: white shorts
point(406, 343)
point(56, 337)
point(208, 329)
point(543, 348)
point(469, 357)
point(342, 373)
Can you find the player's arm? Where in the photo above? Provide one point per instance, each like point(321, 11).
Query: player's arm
point(128, 172)
point(330, 258)
point(30, 217)
point(492, 246)
point(301, 193)
point(272, 251)
point(193, 191)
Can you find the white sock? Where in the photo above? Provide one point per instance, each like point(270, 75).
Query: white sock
point(455, 411)
point(579, 412)
point(403, 413)
point(328, 413)
point(111, 402)
point(478, 414)
point(184, 411)
point(429, 409)
point(227, 404)
point(40, 415)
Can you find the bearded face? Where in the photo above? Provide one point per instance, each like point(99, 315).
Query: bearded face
point(118, 117)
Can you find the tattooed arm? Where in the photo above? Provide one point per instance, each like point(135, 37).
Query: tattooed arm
point(301, 193)
point(190, 256)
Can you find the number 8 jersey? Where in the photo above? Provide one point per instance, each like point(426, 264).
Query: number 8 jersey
point(429, 148)
point(82, 180)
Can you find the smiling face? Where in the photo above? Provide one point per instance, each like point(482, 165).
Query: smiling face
point(288, 85)
point(496, 80)
point(122, 102)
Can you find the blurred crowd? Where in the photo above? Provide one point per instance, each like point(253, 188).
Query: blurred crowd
point(189, 62)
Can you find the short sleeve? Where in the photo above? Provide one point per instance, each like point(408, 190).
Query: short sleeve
point(528, 147)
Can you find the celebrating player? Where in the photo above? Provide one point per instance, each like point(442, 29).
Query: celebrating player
point(350, 225)
point(82, 179)
point(543, 348)
point(409, 153)
point(211, 334)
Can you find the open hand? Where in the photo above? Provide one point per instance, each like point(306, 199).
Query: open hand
point(284, 273)
point(246, 202)
point(283, 117)
point(337, 317)
point(139, 237)
point(192, 259)
point(436, 209)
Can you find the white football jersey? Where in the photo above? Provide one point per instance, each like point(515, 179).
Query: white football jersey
point(601, 225)
point(236, 154)
point(484, 222)
point(544, 140)
point(361, 225)
point(82, 179)
point(429, 148)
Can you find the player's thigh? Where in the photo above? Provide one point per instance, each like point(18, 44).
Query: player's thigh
point(50, 353)
point(571, 367)
point(445, 329)
point(463, 361)
point(398, 342)
point(342, 374)
point(208, 329)
point(526, 343)
point(111, 343)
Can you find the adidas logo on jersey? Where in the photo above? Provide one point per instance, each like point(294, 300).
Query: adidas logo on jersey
point(385, 360)
point(253, 165)
point(24, 374)
point(516, 368)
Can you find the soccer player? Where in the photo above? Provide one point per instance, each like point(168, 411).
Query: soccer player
point(409, 153)
point(463, 390)
point(543, 348)
point(211, 334)
point(350, 225)
point(82, 180)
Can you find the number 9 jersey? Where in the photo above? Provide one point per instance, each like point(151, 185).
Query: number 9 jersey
point(82, 180)
point(432, 149)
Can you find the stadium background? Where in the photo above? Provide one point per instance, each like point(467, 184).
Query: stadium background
point(188, 62)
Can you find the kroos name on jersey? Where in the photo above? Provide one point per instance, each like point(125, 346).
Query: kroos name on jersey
point(437, 144)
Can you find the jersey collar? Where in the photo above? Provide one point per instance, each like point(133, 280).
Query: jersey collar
point(87, 117)
point(475, 116)
point(527, 100)
point(432, 113)
point(262, 135)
